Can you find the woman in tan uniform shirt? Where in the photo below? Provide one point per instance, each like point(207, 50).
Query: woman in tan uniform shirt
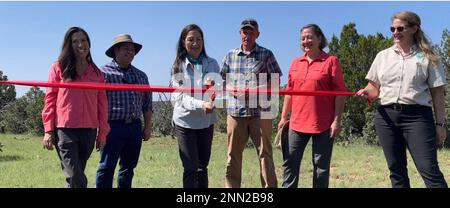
point(409, 81)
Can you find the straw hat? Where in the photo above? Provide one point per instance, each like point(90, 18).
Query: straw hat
point(122, 38)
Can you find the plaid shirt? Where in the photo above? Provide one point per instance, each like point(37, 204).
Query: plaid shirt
point(241, 70)
point(126, 104)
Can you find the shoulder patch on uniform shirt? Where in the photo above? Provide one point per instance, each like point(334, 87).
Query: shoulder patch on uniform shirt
point(420, 56)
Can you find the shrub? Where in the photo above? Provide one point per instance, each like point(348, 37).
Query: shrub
point(14, 116)
point(369, 134)
point(162, 117)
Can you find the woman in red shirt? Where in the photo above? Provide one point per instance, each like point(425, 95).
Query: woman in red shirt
point(74, 119)
point(318, 117)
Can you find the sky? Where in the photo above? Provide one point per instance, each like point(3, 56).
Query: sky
point(31, 33)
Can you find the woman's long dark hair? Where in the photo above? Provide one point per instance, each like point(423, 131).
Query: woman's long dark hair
point(67, 58)
point(181, 50)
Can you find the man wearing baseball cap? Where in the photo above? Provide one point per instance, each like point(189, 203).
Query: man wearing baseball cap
point(125, 110)
point(241, 69)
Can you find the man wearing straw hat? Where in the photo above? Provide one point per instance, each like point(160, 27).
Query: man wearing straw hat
point(126, 108)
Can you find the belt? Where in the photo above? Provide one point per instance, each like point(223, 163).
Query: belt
point(400, 107)
point(125, 121)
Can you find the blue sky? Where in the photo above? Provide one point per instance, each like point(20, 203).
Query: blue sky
point(32, 32)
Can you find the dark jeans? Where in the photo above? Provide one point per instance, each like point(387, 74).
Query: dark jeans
point(195, 150)
point(293, 149)
point(124, 141)
point(409, 128)
point(74, 147)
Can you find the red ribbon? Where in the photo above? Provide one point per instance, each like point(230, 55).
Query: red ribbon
point(154, 88)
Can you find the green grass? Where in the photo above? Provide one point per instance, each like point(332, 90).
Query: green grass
point(23, 163)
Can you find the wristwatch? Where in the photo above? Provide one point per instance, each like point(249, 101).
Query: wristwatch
point(443, 125)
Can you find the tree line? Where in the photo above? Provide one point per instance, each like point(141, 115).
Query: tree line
point(355, 52)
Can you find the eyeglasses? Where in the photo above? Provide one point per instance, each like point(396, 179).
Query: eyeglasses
point(399, 29)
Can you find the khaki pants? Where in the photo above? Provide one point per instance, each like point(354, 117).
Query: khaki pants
point(260, 131)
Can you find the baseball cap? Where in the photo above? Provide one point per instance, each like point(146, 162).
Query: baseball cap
point(249, 23)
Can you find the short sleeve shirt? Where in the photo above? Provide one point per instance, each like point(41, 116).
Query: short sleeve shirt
point(405, 79)
point(314, 114)
point(240, 70)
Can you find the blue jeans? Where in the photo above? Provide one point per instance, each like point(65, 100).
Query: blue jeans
point(123, 142)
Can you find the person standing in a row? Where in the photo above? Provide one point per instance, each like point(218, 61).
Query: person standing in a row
point(193, 115)
point(241, 69)
point(75, 119)
point(409, 80)
point(125, 111)
point(316, 117)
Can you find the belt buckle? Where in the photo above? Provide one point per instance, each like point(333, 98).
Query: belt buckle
point(128, 120)
point(397, 107)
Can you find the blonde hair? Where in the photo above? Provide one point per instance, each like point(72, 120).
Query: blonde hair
point(420, 38)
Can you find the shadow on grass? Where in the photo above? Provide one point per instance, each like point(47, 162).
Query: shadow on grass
point(6, 158)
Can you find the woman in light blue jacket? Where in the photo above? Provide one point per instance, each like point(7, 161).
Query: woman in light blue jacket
point(193, 113)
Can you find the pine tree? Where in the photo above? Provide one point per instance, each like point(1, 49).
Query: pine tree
point(8, 92)
point(444, 54)
point(14, 116)
point(7, 95)
point(356, 53)
point(34, 99)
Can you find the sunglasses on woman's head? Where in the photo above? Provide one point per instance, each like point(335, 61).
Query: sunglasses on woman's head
point(399, 29)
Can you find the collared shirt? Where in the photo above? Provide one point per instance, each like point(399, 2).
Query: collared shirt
point(243, 71)
point(314, 114)
point(188, 107)
point(405, 79)
point(75, 108)
point(126, 104)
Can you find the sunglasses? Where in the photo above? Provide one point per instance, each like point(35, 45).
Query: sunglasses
point(399, 29)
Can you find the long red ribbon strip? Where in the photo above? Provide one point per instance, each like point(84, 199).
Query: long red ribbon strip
point(153, 88)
